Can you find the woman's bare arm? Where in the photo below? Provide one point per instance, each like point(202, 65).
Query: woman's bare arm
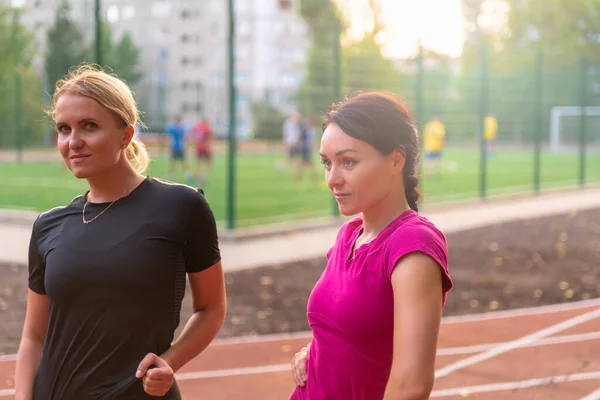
point(417, 285)
point(32, 343)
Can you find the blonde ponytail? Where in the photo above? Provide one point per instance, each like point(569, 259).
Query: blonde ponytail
point(137, 155)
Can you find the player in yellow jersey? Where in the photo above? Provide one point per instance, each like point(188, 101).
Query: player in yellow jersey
point(433, 144)
point(490, 132)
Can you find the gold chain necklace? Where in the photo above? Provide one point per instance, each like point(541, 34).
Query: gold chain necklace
point(103, 211)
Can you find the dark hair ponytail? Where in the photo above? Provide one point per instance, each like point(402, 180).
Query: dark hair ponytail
point(383, 121)
point(411, 189)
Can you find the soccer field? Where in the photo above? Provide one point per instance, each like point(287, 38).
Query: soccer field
point(265, 194)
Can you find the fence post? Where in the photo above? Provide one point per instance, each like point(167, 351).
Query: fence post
point(582, 127)
point(337, 82)
point(537, 131)
point(419, 105)
point(98, 33)
point(482, 114)
point(19, 115)
point(231, 159)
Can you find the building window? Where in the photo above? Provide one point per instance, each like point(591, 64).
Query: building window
point(37, 4)
point(198, 61)
point(18, 3)
point(161, 9)
point(112, 14)
point(128, 13)
point(242, 52)
point(185, 85)
point(185, 60)
point(185, 38)
point(243, 28)
point(162, 55)
point(160, 78)
point(162, 33)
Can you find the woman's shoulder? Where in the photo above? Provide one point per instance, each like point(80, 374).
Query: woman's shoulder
point(175, 191)
point(57, 214)
point(417, 228)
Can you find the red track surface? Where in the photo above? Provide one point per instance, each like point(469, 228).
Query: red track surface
point(543, 353)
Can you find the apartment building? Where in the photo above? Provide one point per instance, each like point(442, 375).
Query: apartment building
point(183, 53)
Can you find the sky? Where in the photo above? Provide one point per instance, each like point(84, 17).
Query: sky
point(437, 23)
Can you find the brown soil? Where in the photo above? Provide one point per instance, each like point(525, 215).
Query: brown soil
point(518, 264)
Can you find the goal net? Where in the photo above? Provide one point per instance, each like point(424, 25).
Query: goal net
point(565, 127)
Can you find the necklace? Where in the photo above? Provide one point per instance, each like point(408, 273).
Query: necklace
point(103, 211)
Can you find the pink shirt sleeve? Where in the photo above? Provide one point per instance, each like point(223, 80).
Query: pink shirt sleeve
point(420, 237)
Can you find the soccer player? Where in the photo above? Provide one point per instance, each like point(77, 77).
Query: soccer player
point(433, 144)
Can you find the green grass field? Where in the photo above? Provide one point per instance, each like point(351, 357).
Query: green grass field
point(265, 195)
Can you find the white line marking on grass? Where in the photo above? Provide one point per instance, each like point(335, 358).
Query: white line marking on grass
point(495, 387)
point(450, 166)
point(514, 344)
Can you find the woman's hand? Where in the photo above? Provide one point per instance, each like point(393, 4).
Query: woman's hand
point(156, 375)
point(299, 365)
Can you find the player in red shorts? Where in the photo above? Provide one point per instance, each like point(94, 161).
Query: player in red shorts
point(202, 135)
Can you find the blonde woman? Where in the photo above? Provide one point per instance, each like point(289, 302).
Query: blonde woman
point(107, 271)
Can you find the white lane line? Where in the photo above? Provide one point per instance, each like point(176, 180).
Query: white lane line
point(459, 391)
point(451, 351)
point(233, 372)
point(595, 395)
point(579, 337)
point(495, 387)
point(514, 344)
point(521, 312)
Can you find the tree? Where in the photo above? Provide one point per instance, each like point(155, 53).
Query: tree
point(65, 46)
point(17, 47)
point(317, 91)
point(564, 30)
point(363, 67)
point(268, 121)
point(122, 58)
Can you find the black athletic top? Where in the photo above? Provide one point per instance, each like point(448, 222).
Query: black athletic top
point(115, 286)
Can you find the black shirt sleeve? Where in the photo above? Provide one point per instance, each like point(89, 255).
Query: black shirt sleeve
point(202, 242)
point(37, 265)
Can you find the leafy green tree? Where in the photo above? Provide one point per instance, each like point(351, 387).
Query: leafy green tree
point(17, 47)
point(268, 121)
point(65, 46)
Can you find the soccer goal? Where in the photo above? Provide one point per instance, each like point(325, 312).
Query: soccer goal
point(564, 132)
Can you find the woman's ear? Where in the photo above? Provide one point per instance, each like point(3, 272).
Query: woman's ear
point(398, 160)
point(128, 133)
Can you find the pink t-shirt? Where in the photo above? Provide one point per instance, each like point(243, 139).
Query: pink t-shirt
point(351, 309)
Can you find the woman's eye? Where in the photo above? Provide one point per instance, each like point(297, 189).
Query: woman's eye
point(326, 163)
point(348, 163)
point(63, 129)
point(91, 125)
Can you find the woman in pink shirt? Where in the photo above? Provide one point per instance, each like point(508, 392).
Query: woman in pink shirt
point(375, 312)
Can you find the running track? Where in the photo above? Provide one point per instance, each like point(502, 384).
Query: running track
point(545, 353)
